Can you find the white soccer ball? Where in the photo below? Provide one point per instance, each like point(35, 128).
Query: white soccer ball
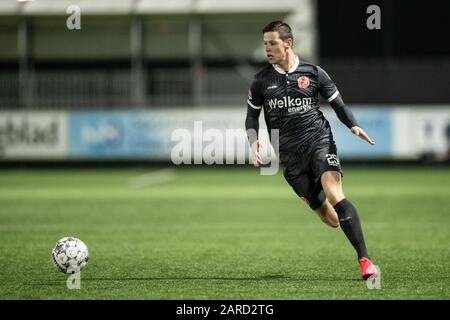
point(70, 255)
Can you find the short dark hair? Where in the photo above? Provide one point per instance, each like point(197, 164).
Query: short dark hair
point(283, 29)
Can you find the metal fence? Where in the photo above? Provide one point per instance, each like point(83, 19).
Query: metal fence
point(370, 82)
point(109, 89)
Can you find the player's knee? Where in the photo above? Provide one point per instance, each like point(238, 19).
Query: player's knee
point(334, 194)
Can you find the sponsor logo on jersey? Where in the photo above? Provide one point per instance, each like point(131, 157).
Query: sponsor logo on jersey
point(293, 104)
point(303, 82)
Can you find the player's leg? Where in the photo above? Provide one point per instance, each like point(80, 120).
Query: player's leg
point(332, 186)
point(327, 214)
point(348, 216)
point(348, 219)
point(325, 164)
point(308, 188)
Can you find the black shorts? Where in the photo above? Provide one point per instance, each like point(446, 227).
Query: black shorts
point(303, 171)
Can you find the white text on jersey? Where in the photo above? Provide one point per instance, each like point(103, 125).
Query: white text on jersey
point(290, 102)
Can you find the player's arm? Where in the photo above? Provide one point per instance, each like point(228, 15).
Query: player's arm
point(254, 106)
point(346, 116)
point(252, 127)
point(329, 91)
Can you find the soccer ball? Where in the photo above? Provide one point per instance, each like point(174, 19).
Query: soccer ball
point(70, 255)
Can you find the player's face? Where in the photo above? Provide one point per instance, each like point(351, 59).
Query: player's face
point(275, 47)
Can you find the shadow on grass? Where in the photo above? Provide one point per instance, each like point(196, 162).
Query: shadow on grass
point(269, 277)
point(260, 278)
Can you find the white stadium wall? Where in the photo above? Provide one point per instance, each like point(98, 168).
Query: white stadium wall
point(421, 131)
point(33, 135)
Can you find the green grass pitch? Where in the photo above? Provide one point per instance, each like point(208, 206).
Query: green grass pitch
point(227, 233)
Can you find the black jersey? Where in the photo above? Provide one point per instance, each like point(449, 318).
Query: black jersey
point(291, 103)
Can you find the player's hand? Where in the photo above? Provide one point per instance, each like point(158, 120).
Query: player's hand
point(362, 134)
point(256, 157)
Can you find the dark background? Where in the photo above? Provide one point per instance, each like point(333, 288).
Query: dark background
point(405, 62)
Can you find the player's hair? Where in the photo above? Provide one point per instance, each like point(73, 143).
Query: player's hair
point(283, 29)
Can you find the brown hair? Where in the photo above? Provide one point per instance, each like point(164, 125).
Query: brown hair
point(283, 29)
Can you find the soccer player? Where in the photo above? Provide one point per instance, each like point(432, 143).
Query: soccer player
point(288, 90)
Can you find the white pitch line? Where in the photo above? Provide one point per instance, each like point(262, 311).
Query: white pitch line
point(152, 178)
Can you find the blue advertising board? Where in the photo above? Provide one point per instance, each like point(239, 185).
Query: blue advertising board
point(376, 122)
point(113, 135)
point(147, 134)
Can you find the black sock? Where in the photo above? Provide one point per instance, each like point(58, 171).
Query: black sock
point(349, 221)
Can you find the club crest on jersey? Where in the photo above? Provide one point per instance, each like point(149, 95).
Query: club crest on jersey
point(303, 82)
